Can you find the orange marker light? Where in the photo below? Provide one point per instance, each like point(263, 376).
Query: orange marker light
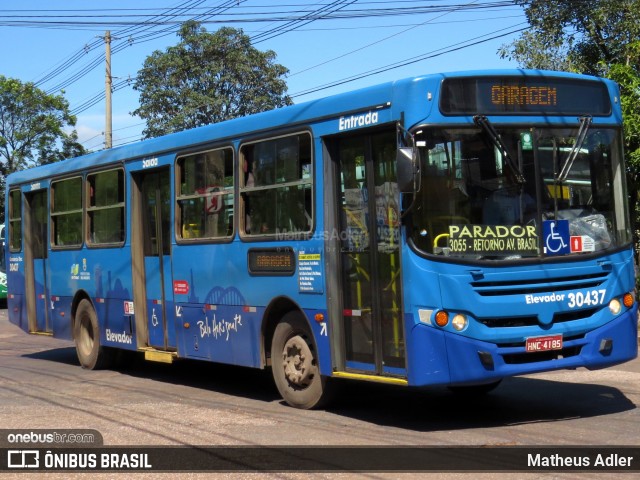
point(627, 300)
point(319, 317)
point(442, 318)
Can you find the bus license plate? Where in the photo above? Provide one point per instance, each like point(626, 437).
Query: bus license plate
point(541, 344)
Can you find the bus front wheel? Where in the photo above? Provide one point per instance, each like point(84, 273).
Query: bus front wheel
point(294, 363)
point(91, 354)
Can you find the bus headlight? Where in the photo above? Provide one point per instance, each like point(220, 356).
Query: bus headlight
point(459, 322)
point(614, 306)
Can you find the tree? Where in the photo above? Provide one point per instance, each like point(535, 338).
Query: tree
point(593, 34)
point(207, 78)
point(537, 51)
point(32, 128)
point(597, 37)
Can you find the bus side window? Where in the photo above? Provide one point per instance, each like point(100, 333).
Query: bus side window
point(278, 182)
point(205, 194)
point(66, 212)
point(106, 207)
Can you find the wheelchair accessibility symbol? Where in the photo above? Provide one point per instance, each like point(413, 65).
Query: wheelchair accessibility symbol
point(556, 237)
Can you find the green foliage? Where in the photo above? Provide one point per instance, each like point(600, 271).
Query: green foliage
point(598, 37)
point(32, 123)
point(32, 128)
point(537, 51)
point(629, 80)
point(207, 78)
point(592, 35)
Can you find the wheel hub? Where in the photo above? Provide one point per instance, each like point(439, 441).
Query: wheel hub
point(297, 362)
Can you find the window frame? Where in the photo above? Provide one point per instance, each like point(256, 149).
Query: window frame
point(11, 220)
point(54, 215)
point(243, 190)
point(88, 209)
point(227, 191)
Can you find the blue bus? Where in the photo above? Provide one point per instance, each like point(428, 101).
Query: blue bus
point(449, 229)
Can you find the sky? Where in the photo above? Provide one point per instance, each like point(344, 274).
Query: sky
point(328, 46)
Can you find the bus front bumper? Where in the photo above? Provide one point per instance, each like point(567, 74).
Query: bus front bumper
point(444, 358)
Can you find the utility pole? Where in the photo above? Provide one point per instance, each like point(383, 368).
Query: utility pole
point(108, 133)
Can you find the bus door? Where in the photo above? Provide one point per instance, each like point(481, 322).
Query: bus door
point(152, 242)
point(36, 240)
point(369, 237)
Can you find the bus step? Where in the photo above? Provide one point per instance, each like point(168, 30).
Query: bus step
point(46, 334)
point(159, 356)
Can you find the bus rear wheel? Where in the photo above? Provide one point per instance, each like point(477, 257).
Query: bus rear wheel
point(91, 354)
point(294, 364)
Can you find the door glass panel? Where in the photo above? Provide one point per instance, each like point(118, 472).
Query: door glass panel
point(370, 253)
point(156, 211)
point(356, 252)
point(387, 200)
point(38, 204)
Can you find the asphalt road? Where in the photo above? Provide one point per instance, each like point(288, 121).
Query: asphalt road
point(195, 403)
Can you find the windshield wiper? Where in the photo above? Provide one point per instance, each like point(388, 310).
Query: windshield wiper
point(483, 122)
point(585, 123)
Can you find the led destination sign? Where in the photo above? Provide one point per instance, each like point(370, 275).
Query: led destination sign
point(495, 240)
point(271, 261)
point(523, 96)
point(527, 96)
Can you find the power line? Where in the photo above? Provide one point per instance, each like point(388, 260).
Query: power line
point(185, 12)
point(90, 46)
point(471, 42)
point(165, 22)
point(261, 37)
point(144, 31)
point(303, 20)
point(373, 43)
point(435, 53)
point(99, 96)
point(133, 34)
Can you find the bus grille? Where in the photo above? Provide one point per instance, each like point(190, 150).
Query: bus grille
point(539, 285)
point(532, 320)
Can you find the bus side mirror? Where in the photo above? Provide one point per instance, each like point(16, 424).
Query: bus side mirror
point(408, 168)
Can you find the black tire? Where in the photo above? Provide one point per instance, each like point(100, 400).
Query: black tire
point(91, 354)
point(294, 364)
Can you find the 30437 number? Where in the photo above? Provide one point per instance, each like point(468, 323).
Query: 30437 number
point(580, 299)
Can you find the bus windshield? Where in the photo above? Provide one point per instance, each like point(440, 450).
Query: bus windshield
point(530, 193)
